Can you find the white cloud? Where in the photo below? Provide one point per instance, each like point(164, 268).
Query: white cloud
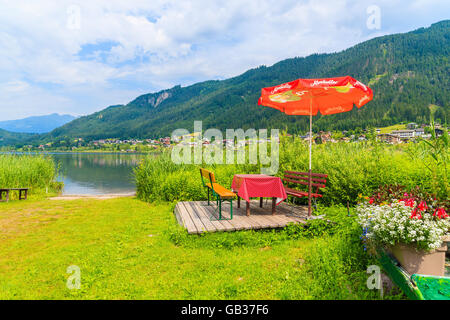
point(15, 86)
point(142, 46)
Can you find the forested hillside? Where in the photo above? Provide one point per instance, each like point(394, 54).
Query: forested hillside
point(13, 138)
point(407, 73)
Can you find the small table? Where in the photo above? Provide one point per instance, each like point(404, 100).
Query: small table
point(7, 190)
point(258, 186)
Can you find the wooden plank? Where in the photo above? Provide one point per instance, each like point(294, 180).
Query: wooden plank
point(228, 226)
point(264, 215)
point(198, 223)
point(195, 217)
point(182, 215)
point(251, 221)
point(204, 219)
point(284, 209)
point(284, 219)
point(265, 223)
point(204, 212)
point(255, 222)
point(288, 209)
point(275, 221)
point(256, 209)
point(246, 224)
point(177, 215)
point(297, 213)
point(189, 224)
point(293, 219)
point(236, 222)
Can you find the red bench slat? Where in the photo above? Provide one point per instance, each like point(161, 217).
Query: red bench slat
point(305, 183)
point(302, 178)
point(321, 175)
point(298, 193)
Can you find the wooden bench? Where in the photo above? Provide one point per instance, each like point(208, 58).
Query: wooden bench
point(23, 193)
point(318, 181)
point(219, 192)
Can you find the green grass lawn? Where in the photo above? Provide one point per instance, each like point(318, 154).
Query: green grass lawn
point(392, 128)
point(129, 249)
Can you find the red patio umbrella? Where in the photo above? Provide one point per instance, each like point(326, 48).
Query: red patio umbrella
point(309, 96)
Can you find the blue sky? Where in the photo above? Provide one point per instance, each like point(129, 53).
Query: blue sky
point(79, 57)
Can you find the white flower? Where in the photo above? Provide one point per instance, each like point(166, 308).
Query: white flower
point(393, 224)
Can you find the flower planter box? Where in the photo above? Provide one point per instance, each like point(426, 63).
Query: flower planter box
point(420, 262)
point(446, 239)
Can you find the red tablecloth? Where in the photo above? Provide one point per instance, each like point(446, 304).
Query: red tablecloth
point(258, 185)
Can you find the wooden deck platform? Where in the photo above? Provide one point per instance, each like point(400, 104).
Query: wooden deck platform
point(198, 217)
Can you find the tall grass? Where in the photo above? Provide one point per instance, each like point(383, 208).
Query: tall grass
point(352, 168)
point(159, 178)
point(26, 171)
point(358, 168)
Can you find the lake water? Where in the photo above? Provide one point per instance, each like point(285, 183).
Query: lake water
point(97, 173)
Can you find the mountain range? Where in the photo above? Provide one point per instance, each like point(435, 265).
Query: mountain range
point(407, 73)
point(36, 124)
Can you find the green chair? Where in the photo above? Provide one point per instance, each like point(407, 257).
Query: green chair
point(218, 191)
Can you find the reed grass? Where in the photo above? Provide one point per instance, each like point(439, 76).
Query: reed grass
point(352, 168)
point(29, 171)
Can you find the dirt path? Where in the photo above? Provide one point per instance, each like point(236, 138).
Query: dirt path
point(88, 196)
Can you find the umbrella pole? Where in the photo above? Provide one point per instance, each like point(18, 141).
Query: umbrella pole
point(310, 144)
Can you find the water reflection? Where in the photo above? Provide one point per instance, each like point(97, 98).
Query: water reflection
point(97, 173)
